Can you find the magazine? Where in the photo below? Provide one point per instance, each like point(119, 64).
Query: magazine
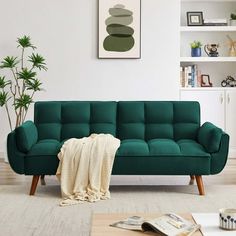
point(168, 224)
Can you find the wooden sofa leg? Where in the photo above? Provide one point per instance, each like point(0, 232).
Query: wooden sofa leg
point(34, 183)
point(200, 184)
point(192, 178)
point(42, 179)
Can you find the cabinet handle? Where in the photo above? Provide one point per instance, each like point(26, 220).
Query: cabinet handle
point(228, 98)
point(221, 98)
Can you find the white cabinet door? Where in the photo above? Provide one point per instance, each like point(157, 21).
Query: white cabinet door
point(211, 102)
point(231, 116)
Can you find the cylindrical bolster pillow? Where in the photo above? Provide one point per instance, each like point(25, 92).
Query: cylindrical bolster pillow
point(210, 136)
point(26, 136)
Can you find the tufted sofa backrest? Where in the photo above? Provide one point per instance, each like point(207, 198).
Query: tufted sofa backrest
point(125, 120)
point(64, 120)
point(161, 119)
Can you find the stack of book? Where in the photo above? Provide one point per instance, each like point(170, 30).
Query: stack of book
point(190, 76)
point(215, 22)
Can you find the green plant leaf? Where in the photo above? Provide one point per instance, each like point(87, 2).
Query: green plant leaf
point(233, 16)
point(4, 98)
point(23, 102)
point(196, 44)
point(3, 82)
point(26, 74)
point(34, 85)
point(24, 83)
point(9, 62)
point(25, 42)
point(38, 61)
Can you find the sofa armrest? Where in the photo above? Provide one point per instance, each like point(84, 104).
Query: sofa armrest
point(219, 159)
point(15, 157)
point(26, 136)
point(209, 136)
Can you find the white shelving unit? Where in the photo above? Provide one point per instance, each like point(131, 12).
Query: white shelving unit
point(218, 104)
point(217, 67)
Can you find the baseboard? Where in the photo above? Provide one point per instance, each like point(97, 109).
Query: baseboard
point(1, 155)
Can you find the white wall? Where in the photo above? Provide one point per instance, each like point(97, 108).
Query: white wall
point(66, 34)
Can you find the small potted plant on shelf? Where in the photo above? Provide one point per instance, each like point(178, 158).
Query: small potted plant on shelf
point(17, 91)
point(233, 19)
point(196, 48)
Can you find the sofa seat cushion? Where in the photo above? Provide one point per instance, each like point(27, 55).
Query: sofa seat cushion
point(45, 147)
point(189, 147)
point(166, 156)
point(184, 147)
point(133, 147)
point(160, 147)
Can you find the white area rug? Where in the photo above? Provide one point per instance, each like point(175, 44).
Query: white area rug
point(23, 215)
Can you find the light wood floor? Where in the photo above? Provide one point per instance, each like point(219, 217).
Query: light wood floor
point(8, 177)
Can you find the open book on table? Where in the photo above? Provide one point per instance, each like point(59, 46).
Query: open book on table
point(167, 224)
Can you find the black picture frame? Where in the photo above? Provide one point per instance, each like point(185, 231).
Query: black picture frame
point(194, 18)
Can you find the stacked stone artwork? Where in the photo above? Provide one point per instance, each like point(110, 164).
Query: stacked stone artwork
point(120, 37)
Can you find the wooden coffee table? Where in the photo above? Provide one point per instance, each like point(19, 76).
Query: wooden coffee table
point(101, 222)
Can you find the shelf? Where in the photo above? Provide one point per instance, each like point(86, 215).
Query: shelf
point(207, 88)
point(208, 28)
point(207, 59)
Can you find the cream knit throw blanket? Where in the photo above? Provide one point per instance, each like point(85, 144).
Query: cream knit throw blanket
point(85, 168)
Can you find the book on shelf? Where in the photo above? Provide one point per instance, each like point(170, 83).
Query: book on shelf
point(189, 76)
point(216, 22)
point(167, 224)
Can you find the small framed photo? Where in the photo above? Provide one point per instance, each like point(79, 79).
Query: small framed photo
point(194, 18)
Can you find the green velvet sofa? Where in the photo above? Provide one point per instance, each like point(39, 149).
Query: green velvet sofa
point(157, 138)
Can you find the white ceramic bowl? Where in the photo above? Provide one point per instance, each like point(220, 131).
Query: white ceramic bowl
point(227, 218)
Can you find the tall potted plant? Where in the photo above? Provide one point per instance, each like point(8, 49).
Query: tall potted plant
point(17, 92)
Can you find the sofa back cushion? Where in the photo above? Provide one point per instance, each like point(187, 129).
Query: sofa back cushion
point(131, 120)
point(186, 120)
point(73, 119)
point(162, 119)
point(159, 120)
point(125, 119)
point(47, 118)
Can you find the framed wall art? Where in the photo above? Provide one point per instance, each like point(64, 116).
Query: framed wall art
point(194, 18)
point(119, 29)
